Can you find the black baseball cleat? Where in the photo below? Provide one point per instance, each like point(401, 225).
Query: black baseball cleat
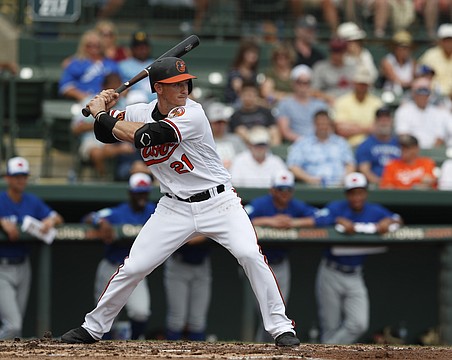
point(287, 339)
point(78, 336)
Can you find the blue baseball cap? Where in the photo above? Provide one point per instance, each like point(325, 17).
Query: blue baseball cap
point(140, 183)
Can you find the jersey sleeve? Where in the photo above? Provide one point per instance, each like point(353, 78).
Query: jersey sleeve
point(327, 215)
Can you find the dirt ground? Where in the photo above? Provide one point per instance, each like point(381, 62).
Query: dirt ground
point(39, 349)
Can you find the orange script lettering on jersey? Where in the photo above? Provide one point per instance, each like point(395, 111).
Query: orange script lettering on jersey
point(158, 153)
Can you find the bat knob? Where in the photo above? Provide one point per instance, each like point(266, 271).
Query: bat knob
point(86, 112)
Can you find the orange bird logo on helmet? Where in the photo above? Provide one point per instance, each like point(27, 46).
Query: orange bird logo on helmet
point(180, 66)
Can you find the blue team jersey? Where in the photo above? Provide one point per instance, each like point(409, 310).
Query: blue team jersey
point(377, 153)
point(264, 206)
point(15, 212)
point(86, 75)
point(371, 213)
point(123, 214)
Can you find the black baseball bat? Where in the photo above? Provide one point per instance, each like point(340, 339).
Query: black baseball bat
point(184, 47)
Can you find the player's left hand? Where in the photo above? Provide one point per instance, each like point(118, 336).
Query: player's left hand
point(103, 101)
point(383, 225)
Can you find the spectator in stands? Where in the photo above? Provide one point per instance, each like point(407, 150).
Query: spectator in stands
point(341, 293)
point(256, 167)
point(401, 13)
point(251, 114)
point(199, 8)
point(333, 76)
point(445, 177)
point(244, 69)
point(109, 38)
point(323, 158)
point(398, 67)
point(429, 10)
point(418, 117)
point(85, 72)
point(355, 111)
point(328, 8)
point(305, 39)
point(296, 112)
point(229, 145)
point(140, 47)
point(277, 84)
point(279, 210)
point(436, 97)
point(15, 268)
point(136, 211)
point(9, 44)
point(411, 171)
point(108, 8)
point(378, 148)
point(356, 54)
point(439, 58)
point(92, 150)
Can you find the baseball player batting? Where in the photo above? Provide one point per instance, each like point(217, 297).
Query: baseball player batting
point(177, 144)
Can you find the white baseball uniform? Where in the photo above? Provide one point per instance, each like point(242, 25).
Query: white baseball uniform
point(185, 168)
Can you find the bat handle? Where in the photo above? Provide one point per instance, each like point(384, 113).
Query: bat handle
point(86, 112)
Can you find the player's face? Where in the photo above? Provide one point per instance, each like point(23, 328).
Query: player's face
point(139, 200)
point(17, 183)
point(357, 198)
point(282, 195)
point(174, 94)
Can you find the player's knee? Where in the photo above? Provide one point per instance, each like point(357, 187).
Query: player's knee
point(358, 327)
point(245, 256)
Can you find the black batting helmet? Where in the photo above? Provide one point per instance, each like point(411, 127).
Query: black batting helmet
point(169, 70)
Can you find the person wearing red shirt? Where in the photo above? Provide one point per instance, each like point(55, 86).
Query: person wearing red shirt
point(411, 171)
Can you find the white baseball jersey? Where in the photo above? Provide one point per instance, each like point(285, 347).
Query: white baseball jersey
point(194, 164)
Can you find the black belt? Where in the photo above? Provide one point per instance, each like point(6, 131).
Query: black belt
point(12, 260)
point(202, 196)
point(346, 269)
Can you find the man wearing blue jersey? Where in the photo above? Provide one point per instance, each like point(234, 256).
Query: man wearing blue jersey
point(342, 299)
point(379, 148)
point(279, 210)
point(135, 212)
point(15, 268)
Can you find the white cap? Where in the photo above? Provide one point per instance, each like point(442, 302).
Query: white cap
point(355, 180)
point(283, 179)
point(217, 111)
point(17, 166)
point(258, 135)
point(363, 76)
point(445, 31)
point(136, 97)
point(350, 31)
point(140, 182)
point(300, 70)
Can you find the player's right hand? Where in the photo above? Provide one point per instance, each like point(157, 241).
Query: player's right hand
point(103, 101)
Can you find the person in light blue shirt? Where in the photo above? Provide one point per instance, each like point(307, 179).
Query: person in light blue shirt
point(140, 47)
point(379, 148)
point(323, 158)
point(295, 113)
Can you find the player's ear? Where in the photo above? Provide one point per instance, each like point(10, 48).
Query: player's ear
point(158, 88)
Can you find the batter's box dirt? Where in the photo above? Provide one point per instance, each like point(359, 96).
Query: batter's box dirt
point(39, 349)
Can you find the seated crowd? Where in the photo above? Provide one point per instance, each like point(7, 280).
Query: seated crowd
point(322, 116)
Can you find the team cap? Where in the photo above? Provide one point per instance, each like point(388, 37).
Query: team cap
point(140, 182)
point(217, 111)
point(383, 111)
point(445, 31)
point(283, 179)
point(17, 166)
point(355, 180)
point(349, 31)
point(170, 70)
point(139, 38)
point(259, 135)
point(408, 141)
point(300, 70)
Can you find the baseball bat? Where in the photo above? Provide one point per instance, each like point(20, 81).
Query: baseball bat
point(179, 50)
